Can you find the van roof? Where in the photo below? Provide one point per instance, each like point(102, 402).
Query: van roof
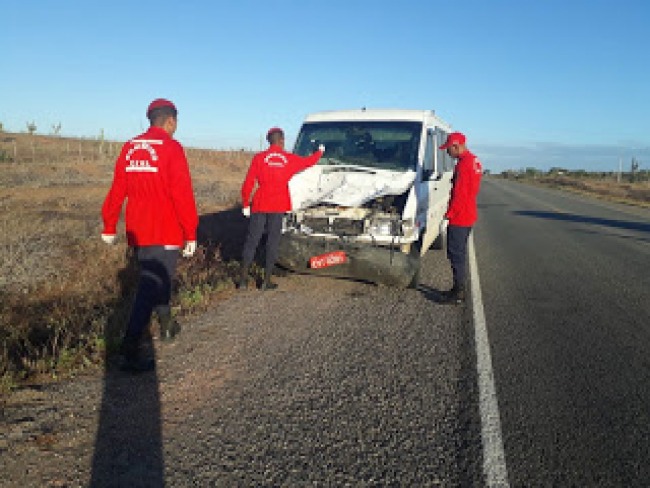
point(427, 116)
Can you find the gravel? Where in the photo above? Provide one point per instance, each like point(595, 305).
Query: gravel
point(321, 383)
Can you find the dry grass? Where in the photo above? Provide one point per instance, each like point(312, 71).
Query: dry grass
point(608, 188)
point(64, 295)
point(603, 186)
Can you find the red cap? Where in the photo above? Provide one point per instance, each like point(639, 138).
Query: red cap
point(159, 102)
point(454, 138)
point(273, 130)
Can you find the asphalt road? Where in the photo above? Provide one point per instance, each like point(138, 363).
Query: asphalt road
point(566, 292)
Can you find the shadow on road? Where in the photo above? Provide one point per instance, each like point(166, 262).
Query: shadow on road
point(431, 294)
point(612, 234)
point(128, 444)
point(567, 217)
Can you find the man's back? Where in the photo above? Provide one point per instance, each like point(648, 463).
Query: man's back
point(152, 174)
point(272, 169)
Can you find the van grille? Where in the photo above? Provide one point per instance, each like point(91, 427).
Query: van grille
point(348, 227)
point(338, 226)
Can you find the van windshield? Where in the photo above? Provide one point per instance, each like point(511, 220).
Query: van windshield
point(389, 145)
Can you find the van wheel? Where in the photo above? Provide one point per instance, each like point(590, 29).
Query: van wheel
point(415, 254)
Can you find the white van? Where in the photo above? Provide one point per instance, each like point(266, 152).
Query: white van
point(375, 201)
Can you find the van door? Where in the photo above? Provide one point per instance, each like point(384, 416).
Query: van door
point(439, 183)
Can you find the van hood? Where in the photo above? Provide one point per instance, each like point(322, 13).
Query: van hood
point(345, 185)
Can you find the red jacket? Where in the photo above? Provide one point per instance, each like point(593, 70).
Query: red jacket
point(461, 210)
point(152, 174)
point(272, 169)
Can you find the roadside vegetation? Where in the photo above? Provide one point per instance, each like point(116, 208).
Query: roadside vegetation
point(631, 187)
point(64, 295)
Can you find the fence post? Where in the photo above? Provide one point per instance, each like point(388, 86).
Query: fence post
point(101, 143)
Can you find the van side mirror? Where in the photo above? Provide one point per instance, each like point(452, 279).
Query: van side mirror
point(431, 175)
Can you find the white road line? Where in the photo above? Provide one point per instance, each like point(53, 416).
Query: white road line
point(494, 461)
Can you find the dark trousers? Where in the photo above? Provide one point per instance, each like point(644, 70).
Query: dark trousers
point(457, 238)
point(157, 268)
point(272, 222)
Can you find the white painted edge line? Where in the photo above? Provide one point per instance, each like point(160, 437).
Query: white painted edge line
point(494, 460)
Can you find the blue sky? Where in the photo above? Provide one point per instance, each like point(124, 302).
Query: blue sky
point(531, 83)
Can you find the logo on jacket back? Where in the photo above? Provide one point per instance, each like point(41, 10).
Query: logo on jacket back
point(141, 155)
point(276, 160)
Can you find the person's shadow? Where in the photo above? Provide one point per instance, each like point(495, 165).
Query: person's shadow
point(431, 294)
point(128, 445)
point(227, 230)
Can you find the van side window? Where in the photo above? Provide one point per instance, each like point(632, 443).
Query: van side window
point(428, 164)
point(445, 162)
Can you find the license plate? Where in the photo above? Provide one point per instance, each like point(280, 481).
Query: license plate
point(328, 259)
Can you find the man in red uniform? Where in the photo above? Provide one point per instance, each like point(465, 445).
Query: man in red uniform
point(461, 212)
point(152, 174)
point(271, 169)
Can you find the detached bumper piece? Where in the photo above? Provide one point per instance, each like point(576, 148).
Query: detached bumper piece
point(368, 263)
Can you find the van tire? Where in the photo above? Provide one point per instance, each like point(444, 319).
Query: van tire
point(415, 253)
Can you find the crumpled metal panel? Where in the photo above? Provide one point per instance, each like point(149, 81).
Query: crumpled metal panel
point(348, 186)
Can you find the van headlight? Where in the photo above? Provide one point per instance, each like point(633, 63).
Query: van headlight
point(409, 229)
point(382, 227)
point(289, 221)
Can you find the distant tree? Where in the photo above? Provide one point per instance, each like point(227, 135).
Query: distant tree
point(56, 129)
point(2, 128)
point(31, 127)
point(532, 172)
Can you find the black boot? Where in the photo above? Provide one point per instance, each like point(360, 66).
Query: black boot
point(243, 279)
point(455, 296)
point(169, 328)
point(267, 284)
point(133, 362)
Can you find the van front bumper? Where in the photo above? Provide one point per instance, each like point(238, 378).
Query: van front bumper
point(376, 264)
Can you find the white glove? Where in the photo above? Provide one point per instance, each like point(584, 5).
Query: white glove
point(109, 238)
point(246, 211)
point(190, 249)
point(321, 148)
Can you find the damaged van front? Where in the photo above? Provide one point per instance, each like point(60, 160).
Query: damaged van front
point(375, 201)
